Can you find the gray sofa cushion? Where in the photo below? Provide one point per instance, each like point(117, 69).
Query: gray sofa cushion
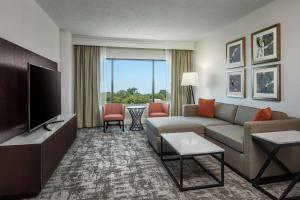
point(226, 112)
point(205, 121)
point(230, 135)
point(173, 124)
point(244, 114)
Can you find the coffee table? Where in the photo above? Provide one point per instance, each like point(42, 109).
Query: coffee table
point(187, 145)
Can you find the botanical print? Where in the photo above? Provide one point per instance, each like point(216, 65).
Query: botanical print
point(235, 53)
point(266, 82)
point(266, 45)
point(236, 83)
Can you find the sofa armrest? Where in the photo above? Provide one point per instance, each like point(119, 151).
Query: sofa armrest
point(189, 110)
point(254, 156)
point(272, 125)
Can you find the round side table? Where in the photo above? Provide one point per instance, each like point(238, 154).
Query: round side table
point(136, 113)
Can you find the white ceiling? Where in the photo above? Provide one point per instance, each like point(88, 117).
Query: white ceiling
point(175, 20)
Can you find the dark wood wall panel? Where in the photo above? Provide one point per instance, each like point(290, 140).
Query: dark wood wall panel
point(13, 86)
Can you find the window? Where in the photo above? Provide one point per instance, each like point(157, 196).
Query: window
point(131, 81)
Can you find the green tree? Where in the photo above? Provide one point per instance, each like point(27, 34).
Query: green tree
point(132, 90)
point(132, 96)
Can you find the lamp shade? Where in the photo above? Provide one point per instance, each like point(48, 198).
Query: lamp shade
point(190, 78)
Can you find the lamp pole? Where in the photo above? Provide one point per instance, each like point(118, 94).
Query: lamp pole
point(192, 93)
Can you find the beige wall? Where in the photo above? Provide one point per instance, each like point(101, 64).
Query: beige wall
point(67, 72)
point(209, 59)
point(24, 23)
point(132, 53)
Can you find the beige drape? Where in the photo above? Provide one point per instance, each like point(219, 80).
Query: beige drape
point(181, 62)
point(87, 85)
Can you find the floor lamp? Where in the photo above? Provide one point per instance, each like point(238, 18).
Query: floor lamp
point(190, 79)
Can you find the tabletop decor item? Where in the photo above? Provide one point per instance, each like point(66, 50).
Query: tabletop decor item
point(235, 83)
point(236, 53)
point(266, 83)
point(266, 45)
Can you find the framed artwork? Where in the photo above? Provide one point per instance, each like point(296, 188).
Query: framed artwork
point(266, 45)
point(235, 80)
point(235, 53)
point(266, 83)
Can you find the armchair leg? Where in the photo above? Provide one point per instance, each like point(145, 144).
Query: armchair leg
point(104, 126)
point(123, 126)
point(107, 124)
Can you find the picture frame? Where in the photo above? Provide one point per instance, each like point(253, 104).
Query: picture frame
point(266, 45)
point(236, 53)
point(266, 82)
point(236, 83)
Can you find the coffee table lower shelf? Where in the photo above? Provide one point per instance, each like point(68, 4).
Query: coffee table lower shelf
point(181, 158)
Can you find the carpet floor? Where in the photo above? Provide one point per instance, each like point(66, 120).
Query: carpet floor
point(116, 165)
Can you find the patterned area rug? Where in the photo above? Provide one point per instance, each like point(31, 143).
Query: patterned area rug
point(116, 165)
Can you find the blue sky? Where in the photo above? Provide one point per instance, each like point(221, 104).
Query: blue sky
point(136, 73)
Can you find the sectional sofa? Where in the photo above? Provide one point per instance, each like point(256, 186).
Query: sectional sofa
point(231, 129)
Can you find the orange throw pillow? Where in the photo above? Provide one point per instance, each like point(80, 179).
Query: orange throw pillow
point(263, 114)
point(206, 108)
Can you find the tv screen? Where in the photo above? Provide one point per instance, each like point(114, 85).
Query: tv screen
point(44, 98)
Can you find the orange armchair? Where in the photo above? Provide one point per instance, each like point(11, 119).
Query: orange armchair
point(158, 109)
point(113, 112)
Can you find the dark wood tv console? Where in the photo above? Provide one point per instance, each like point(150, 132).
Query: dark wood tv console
point(28, 160)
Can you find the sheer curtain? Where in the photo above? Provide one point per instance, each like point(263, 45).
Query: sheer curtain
point(168, 57)
point(103, 81)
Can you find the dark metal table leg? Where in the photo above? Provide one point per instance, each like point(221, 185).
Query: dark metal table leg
point(290, 187)
point(222, 169)
point(181, 173)
point(265, 165)
point(161, 148)
point(275, 159)
point(272, 157)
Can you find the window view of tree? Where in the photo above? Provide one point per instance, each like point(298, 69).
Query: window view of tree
point(135, 81)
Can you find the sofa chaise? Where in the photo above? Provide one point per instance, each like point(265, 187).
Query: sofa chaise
point(231, 129)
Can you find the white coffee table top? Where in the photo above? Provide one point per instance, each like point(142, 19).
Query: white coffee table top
point(280, 137)
point(189, 143)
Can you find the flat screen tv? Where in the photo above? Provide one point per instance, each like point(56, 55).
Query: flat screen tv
point(44, 98)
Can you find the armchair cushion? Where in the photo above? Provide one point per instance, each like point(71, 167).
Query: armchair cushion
point(113, 112)
point(155, 107)
point(158, 109)
point(113, 117)
point(158, 114)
